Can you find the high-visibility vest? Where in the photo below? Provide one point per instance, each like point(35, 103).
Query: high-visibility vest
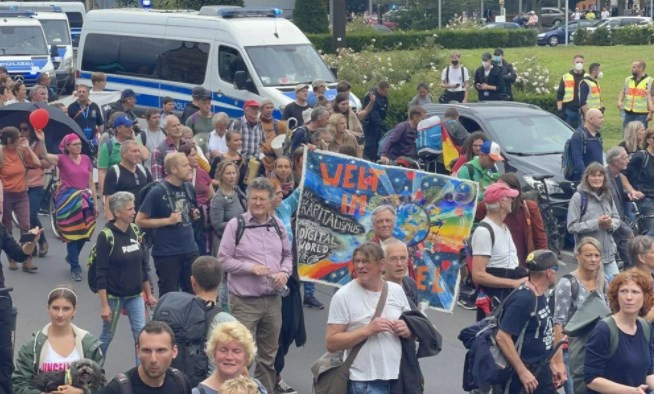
point(594, 99)
point(635, 95)
point(569, 87)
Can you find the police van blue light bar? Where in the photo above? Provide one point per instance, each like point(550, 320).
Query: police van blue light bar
point(10, 12)
point(249, 13)
point(47, 8)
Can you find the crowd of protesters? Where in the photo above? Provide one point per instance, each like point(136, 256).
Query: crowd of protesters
point(176, 200)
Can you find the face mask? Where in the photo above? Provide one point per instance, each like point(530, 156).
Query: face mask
point(455, 62)
point(579, 66)
point(498, 59)
point(600, 75)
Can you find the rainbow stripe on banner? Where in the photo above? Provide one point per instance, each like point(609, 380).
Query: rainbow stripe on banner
point(434, 217)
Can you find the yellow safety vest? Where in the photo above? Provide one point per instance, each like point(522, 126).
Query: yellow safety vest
point(594, 99)
point(569, 87)
point(635, 96)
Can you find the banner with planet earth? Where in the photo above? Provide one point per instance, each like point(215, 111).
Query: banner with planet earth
point(339, 193)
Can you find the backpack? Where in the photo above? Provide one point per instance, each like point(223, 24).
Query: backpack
point(110, 146)
point(567, 165)
point(93, 255)
point(126, 386)
point(484, 363)
point(429, 137)
point(139, 167)
point(144, 135)
point(190, 196)
point(287, 147)
point(241, 227)
point(189, 318)
point(468, 244)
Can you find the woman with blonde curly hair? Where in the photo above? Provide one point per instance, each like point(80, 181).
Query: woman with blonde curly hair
point(232, 350)
point(633, 138)
point(341, 135)
point(627, 369)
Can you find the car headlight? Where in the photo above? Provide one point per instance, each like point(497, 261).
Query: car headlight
point(552, 186)
point(541, 35)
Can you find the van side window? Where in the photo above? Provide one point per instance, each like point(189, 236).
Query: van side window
point(229, 62)
point(184, 61)
point(138, 56)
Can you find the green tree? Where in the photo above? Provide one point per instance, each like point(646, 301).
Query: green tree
point(311, 16)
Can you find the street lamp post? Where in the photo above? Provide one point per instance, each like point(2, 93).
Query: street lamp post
point(565, 30)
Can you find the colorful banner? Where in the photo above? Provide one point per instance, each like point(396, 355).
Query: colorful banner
point(434, 216)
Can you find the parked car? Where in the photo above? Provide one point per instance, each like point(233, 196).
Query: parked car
point(550, 16)
point(556, 35)
point(518, 129)
point(502, 25)
point(622, 21)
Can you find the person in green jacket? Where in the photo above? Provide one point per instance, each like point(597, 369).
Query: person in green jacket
point(56, 346)
point(482, 168)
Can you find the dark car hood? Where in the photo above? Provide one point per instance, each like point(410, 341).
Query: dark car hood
point(534, 164)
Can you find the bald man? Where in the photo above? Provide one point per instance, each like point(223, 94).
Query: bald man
point(586, 143)
point(170, 144)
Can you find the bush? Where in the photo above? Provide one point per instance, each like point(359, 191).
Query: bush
point(633, 35)
point(545, 101)
point(311, 16)
point(455, 39)
point(601, 37)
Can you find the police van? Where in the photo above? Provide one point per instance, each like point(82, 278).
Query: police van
point(74, 10)
point(24, 51)
point(237, 53)
point(57, 34)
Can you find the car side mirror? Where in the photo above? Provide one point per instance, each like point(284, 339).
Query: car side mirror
point(53, 51)
point(240, 79)
point(334, 70)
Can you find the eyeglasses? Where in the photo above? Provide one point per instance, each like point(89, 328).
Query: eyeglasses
point(361, 261)
point(396, 259)
point(24, 129)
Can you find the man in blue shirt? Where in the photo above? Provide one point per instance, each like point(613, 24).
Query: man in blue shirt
point(87, 115)
point(401, 141)
point(586, 143)
point(531, 370)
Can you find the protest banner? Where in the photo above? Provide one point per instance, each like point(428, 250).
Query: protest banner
point(434, 216)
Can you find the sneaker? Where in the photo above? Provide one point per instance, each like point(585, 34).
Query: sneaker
point(466, 304)
point(312, 302)
point(76, 275)
point(43, 249)
point(282, 388)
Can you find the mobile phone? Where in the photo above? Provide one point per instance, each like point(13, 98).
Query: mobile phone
point(27, 237)
point(457, 85)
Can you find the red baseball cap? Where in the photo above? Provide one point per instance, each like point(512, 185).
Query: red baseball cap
point(251, 103)
point(497, 191)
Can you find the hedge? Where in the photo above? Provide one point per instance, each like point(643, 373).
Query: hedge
point(454, 39)
point(630, 35)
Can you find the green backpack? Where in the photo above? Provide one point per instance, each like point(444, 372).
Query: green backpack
point(109, 235)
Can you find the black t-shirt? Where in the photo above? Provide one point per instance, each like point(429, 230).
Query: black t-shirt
point(127, 181)
point(539, 334)
point(88, 118)
point(170, 385)
point(175, 239)
point(293, 110)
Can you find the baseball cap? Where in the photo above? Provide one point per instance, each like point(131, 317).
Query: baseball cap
point(486, 56)
point(497, 191)
point(491, 149)
point(251, 103)
point(123, 121)
point(541, 260)
point(200, 93)
point(127, 93)
point(301, 86)
point(318, 83)
point(498, 51)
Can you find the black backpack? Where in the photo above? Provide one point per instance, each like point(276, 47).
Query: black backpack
point(126, 386)
point(190, 195)
point(189, 318)
point(241, 227)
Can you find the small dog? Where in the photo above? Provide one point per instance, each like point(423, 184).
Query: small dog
point(84, 373)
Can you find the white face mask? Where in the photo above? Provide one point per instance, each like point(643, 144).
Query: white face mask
point(579, 66)
point(600, 75)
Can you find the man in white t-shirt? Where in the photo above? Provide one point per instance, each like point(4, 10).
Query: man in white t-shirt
point(454, 79)
point(153, 135)
point(349, 323)
point(495, 267)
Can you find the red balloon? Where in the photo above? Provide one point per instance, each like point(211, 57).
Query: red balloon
point(39, 118)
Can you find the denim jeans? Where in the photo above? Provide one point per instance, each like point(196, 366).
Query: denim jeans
point(568, 387)
point(572, 117)
point(6, 346)
point(35, 194)
point(369, 387)
point(309, 289)
point(646, 208)
point(642, 118)
point(136, 313)
point(74, 248)
point(611, 270)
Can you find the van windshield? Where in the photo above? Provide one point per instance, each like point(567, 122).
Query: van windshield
point(288, 64)
point(22, 40)
point(56, 32)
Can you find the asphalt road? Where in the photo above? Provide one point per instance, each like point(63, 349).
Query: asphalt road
point(443, 373)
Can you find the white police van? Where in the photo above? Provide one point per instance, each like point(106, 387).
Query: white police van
point(24, 51)
point(74, 10)
point(236, 53)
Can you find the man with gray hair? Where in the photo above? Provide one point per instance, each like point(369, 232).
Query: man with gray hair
point(304, 133)
point(396, 268)
point(39, 94)
point(127, 176)
point(621, 192)
point(256, 254)
point(495, 267)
